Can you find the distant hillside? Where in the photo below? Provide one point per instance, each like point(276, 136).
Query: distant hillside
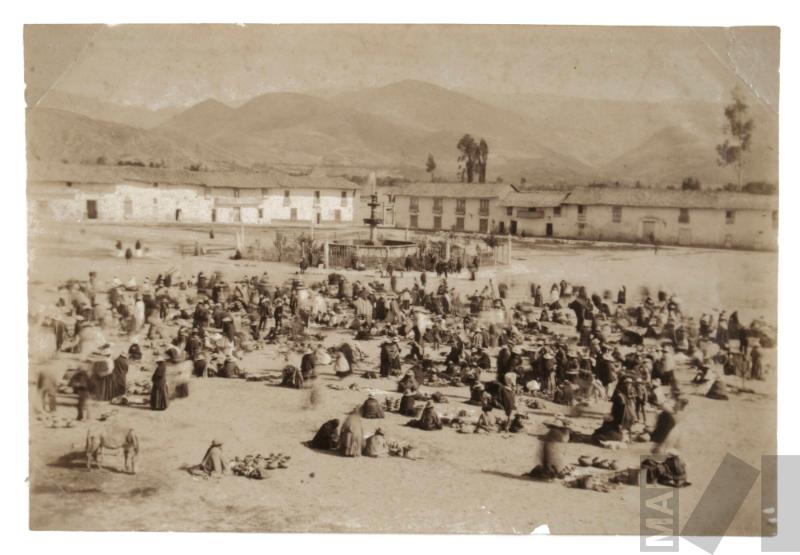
point(656, 142)
point(57, 136)
point(134, 116)
point(391, 129)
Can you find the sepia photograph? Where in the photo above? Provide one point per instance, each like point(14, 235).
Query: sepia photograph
point(402, 278)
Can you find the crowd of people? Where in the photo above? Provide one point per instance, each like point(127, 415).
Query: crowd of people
point(564, 345)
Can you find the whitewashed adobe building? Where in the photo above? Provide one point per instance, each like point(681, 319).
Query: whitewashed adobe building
point(449, 206)
point(137, 194)
point(693, 218)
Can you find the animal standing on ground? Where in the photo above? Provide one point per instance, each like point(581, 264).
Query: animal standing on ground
point(99, 439)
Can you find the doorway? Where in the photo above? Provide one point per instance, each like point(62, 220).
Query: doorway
point(649, 231)
point(548, 230)
point(512, 227)
point(293, 214)
point(684, 236)
point(501, 229)
point(91, 209)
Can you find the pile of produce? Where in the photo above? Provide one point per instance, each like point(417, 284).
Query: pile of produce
point(256, 466)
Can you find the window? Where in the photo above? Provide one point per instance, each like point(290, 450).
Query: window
point(344, 198)
point(413, 205)
point(557, 211)
point(616, 214)
point(510, 211)
point(461, 206)
point(459, 224)
point(293, 214)
point(236, 193)
point(483, 225)
point(437, 205)
point(484, 210)
point(260, 213)
point(437, 222)
point(730, 216)
point(414, 220)
point(287, 198)
point(264, 193)
point(774, 219)
point(213, 214)
point(683, 216)
point(316, 197)
point(581, 213)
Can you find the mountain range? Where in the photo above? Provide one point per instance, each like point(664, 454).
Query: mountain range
point(392, 129)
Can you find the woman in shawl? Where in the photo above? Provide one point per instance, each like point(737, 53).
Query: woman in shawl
point(376, 445)
point(351, 437)
point(159, 397)
point(372, 408)
point(429, 420)
point(327, 437)
point(341, 366)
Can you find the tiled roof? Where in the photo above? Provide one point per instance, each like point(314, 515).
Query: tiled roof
point(454, 190)
point(661, 198)
point(92, 174)
point(534, 199)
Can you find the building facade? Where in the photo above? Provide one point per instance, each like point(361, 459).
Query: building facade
point(449, 206)
point(155, 195)
point(691, 218)
point(534, 213)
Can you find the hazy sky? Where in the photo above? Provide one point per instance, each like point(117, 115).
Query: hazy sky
point(159, 66)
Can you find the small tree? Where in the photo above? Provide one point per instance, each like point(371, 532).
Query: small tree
point(690, 184)
point(280, 242)
point(306, 244)
point(483, 159)
point(740, 130)
point(467, 157)
point(430, 165)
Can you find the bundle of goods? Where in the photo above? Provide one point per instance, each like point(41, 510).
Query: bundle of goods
point(140, 387)
point(255, 466)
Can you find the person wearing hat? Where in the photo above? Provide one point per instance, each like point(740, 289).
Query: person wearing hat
point(214, 462)
point(429, 420)
point(159, 391)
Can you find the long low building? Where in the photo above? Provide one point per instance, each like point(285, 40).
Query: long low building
point(141, 194)
point(693, 218)
point(662, 216)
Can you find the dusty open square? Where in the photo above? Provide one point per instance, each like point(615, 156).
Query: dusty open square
point(459, 483)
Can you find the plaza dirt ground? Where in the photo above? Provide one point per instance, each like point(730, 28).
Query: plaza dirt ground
point(461, 483)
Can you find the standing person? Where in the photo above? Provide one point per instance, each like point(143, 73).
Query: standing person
point(622, 295)
point(278, 315)
point(138, 312)
point(756, 365)
point(409, 263)
point(264, 312)
point(744, 340)
point(81, 384)
point(423, 279)
point(351, 436)
point(159, 392)
point(507, 401)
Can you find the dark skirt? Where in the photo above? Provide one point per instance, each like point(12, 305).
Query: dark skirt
point(159, 397)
